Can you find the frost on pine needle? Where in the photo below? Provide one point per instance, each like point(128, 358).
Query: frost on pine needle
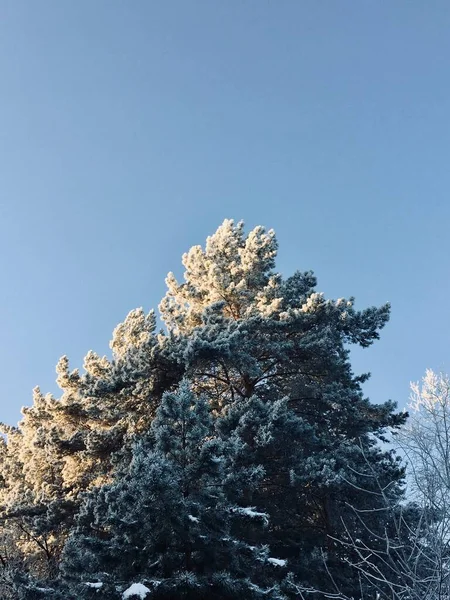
point(136, 589)
point(278, 562)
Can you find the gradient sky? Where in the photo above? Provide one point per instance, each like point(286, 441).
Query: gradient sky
point(130, 129)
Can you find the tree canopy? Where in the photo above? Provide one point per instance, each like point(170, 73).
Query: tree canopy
point(225, 456)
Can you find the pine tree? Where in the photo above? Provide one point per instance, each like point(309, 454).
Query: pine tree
point(244, 332)
point(114, 401)
point(272, 444)
point(35, 511)
point(65, 446)
point(168, 523)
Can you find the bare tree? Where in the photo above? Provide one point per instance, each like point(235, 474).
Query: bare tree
point(425, 443)
point(408, 561)
point(412, 560)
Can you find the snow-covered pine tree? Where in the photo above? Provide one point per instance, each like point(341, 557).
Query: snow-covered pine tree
point(114, 401)
point(244, 332)
point(35, 511)
point(270, 358)
point(168, 522)
point(63, 447)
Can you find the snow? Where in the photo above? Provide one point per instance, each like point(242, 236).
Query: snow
point(250, 511)
point(192, 518)
point(136, 589)
point(279, 562)
point(96, 585)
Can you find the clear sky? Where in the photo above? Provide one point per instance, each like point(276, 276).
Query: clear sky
point(130, 130)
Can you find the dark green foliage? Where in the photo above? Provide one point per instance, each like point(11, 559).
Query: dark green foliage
point(169, 519)
point(228, 457)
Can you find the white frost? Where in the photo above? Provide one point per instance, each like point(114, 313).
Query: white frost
point(136, 589)
point(279, 562)
point(250, 511)
point(96, 585)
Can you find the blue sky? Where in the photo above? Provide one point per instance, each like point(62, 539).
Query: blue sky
point(130, 130)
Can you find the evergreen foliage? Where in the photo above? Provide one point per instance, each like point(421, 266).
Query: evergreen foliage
point(168, 520)
point(225, 457)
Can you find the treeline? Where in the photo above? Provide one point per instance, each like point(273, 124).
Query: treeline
point(232, 455)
